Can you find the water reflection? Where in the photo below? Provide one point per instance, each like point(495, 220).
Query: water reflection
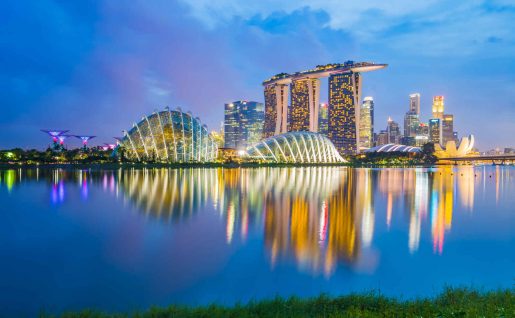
point(317, 217)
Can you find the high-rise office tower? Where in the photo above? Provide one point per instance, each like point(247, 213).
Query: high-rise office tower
point(243, 124)
point(435, 130)
point(231, 125)
point(344, 97)
point(411, 124)
point(422, 136)
point(447, 128)
point(305, 94)
point(323, 119)
point(394, 132)
point(438, 107)
point(382, 138)
point(414, 103)
point(366, 123)
point(276, 109)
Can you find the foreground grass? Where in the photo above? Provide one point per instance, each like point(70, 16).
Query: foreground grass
point(452, 302)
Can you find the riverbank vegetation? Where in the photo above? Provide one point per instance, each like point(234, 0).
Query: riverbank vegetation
point(459, 302)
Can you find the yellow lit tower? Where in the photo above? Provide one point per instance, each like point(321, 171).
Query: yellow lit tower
point(438, 107)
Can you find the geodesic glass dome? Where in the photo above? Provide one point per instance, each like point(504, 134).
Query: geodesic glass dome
point(171, 136)
point(296, 147)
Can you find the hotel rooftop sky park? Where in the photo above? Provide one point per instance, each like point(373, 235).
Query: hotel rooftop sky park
point(300, 112)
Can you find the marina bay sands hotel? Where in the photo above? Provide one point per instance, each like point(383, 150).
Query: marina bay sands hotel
point(303, 111)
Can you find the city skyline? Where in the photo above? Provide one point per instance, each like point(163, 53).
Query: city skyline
point(94, 67)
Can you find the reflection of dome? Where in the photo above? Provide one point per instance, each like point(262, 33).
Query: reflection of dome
point(170, 135)
point(393, 148)
point(296, 147)
point(450, 150)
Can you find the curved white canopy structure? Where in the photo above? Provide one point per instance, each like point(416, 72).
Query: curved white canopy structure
point(296, 147)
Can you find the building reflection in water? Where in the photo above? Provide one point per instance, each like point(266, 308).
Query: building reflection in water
point(317, 217)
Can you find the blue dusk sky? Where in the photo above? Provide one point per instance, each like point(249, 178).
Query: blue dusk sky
point(95, 67)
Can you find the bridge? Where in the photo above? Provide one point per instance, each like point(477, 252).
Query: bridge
point(505, 159)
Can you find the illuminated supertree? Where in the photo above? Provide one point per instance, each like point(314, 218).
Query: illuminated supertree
point(85, 140)
point(58, 137)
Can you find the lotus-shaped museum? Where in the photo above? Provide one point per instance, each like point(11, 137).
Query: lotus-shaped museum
point(295, 147)
point(451, 151)
point(169, 136)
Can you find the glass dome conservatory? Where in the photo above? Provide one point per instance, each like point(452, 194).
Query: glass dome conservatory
point(295, 147)
point(169, 136)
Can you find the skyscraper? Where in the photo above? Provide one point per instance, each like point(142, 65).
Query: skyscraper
point(414, 103)
point(438, 107)
point(447, 128)
point(394, 132)
point(304, 90)
point(435, 130)
point(344, 96)
point(411, 124)
point(382, 138)
point(243, 124)
point(231, 125)
point(276, 109)
point(305, 94)
point(366, 122)
point(323, 119)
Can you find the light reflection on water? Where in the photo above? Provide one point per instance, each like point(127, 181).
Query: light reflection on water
point(319, 218)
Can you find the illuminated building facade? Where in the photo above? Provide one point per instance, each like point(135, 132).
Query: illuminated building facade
point(435, 130)
point(243, 124)
point(276, 108)
point(305, 94)
point(447, 128)
point(169, 136)
point(438, 107)
point(344, 96)
point(323, 119)
point(366, 123)
point(343, 109)
point(231, 125)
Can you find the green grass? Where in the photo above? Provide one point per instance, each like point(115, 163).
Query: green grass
point(452, 302)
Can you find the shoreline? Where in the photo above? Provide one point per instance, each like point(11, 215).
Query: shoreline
point(125, 165)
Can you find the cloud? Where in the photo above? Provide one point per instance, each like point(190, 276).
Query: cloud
point(97, 66)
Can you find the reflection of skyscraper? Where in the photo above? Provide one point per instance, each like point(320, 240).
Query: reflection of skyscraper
point(365, 203)
point(366, 122)
point(344, 97)
point(441, 206)
point(343, 239)
point(465, 186)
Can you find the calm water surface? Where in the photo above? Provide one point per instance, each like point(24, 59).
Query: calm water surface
point(127, 239)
